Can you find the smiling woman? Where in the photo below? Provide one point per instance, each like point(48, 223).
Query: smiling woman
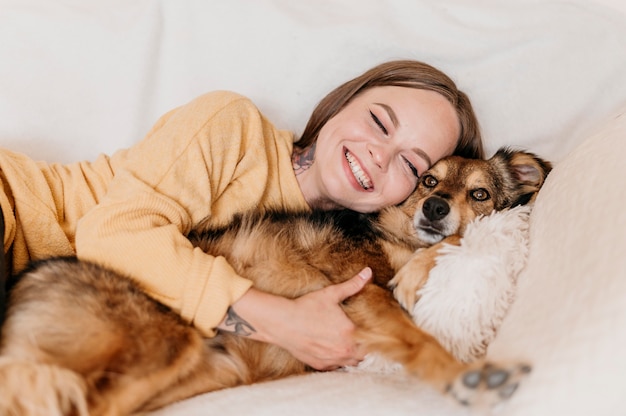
point(216, 157)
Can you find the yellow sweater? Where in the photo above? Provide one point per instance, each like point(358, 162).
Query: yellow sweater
point(208, 160)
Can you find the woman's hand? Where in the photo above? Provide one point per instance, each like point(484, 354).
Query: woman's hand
point(312, 327)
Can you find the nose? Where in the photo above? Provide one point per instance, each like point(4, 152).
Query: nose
point(379, 155)
point(435, 208)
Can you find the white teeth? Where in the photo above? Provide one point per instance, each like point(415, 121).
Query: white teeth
point(358, 173)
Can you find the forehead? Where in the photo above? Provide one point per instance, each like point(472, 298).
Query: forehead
point(407, 95)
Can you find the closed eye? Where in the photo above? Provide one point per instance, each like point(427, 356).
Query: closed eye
point(379, 123)
point(411, 166)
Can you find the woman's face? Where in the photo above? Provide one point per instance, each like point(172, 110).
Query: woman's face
point(371, 153)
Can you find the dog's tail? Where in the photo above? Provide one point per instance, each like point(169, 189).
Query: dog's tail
point(28, 388)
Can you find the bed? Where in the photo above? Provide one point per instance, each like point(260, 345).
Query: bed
point(82, 77)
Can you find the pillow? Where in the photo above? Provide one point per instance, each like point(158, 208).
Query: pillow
point(569, 317)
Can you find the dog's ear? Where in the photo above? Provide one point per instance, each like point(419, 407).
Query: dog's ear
point(528, 170)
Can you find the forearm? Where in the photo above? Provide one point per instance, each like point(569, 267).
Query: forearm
point(313, 327)
point(251, 315)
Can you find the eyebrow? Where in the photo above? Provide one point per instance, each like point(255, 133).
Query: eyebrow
point(390, 113)
point(394, 120)
point(423, 155)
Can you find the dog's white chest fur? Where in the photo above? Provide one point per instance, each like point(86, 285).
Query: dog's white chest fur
point(469, 291)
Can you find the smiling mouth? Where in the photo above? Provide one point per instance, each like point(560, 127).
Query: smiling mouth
point(360, 176)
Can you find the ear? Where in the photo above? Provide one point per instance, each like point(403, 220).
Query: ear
point(529, 170)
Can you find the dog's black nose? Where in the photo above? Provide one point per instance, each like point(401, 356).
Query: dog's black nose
point(435, 208)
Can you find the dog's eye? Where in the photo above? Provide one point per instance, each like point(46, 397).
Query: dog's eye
point(480, 194)
point(429, 181)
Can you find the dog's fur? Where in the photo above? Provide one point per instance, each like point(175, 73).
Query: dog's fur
point(80, 339)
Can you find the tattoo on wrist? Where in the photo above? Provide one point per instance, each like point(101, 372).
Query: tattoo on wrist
point(303, 161)
point(235, 324)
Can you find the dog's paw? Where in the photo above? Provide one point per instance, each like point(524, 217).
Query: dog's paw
point(404, 291)
point(410, 279)
point(488, 385)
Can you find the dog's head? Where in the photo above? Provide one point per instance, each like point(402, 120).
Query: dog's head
point(457, 190)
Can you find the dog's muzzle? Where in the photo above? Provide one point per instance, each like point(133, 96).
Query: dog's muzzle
point(435, 208)
point(428, 223)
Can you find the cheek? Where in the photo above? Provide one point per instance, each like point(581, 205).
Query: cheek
point(400, 189)
point(466, 215)
point(327, 154)
point(479, 208)
point(329, 136)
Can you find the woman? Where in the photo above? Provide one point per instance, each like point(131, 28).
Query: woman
point(364, 148)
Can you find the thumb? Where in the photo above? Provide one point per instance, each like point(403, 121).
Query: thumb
point(352, 286)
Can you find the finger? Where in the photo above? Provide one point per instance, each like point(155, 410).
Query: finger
point(352, 363)
point(352, 286)
point(360, 354)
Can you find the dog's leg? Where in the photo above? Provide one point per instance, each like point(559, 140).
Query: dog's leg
point(217, 369)
point(414, 274)
point(96, 329)
point(229, 361)
point(177, 356)
point(110, 372)
point(384, 327)
point(37, 389)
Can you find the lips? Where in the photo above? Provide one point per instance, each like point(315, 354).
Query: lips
point(359, 174)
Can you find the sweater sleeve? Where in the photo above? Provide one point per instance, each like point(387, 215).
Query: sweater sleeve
point(211, 158)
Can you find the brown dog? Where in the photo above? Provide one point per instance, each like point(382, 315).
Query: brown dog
point(80, 339)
